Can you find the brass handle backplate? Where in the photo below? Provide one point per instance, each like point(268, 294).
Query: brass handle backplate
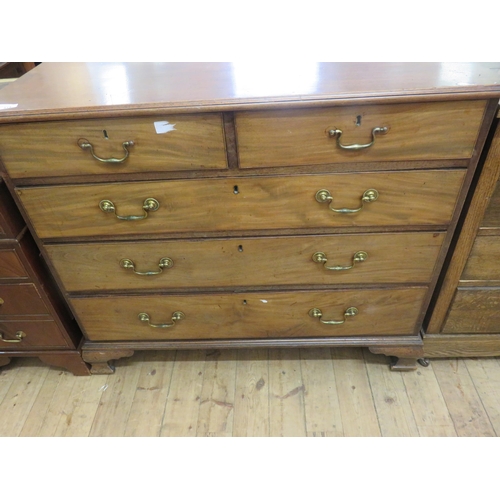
point(19, 336)
point(335, 132)
point(320, 258)
point(85, 144)
point(149, 205)
point(317, 313)
point(176, 316)
point(324, 196)
point(164, 263)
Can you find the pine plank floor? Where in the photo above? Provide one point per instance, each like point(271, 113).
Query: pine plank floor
point(243, 393)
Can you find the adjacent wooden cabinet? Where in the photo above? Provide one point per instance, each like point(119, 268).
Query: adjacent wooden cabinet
point(193, 210)
point(33, 318)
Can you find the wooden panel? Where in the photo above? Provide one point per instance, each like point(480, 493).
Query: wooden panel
point(474, 311)
point(10, 265)
point(45, 149)
point(21, 299)
point(415, 132)
point(392, 258)
point(405, 198)
point(251, 315)
point(492, 214)
point(11, 222)
point(483, 260)
point(38, 334)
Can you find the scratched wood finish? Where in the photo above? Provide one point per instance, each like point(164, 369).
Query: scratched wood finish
point(51, 148)
point(49, 90)
point(250, 315)
point(405, 198)
point(450, 397)
point(392, 258)
point(415, 132)
point(10, 265)
point(474, 311)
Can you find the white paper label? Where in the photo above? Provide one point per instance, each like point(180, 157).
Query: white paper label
point(7, 106)
point(164, 127)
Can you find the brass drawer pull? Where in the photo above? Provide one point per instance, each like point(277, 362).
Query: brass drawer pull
point(320, 258)
point(324, 196)
point(19, 336)
point(85, 144)
point(149, 205)
point(1, 301)
point(355, 147)
point(164, 263)
point(176, 316)
point(316, 313)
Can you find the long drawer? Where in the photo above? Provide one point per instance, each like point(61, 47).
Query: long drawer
point(419, 131)
point(237, 204)
point(483, 260)
point(26, 335)
point(304, 260)
point(173, 142)
point(251, 315)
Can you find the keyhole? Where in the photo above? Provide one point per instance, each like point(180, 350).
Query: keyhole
point(358, 120)
point(235, 190)
point(240, 248)
point(105, 134)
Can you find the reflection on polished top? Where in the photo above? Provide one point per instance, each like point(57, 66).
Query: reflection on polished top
point(77, 89)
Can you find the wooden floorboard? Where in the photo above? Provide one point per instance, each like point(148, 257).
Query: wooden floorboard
point(253, 392)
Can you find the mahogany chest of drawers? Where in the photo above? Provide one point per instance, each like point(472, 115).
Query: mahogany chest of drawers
point(193, 212)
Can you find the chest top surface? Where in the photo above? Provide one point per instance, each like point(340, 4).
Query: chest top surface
point(79, 90)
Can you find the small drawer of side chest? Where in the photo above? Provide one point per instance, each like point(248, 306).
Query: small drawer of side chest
point(26, 335)
point(11, 265)
point(388, 132)
point(21, 299)
point(114, 146)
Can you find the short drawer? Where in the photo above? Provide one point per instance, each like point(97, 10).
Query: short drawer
point(420, 131)
point(483, 260)
point(21, 299)
point(10, 265)
point(240, 204)
point(251, 315)
point(19, 335)
point(474, 310)
point(304, 260)
point(165, 143)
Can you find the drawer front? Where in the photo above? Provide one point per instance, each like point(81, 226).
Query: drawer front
point(10, 265)
point(21, 299)
point(405, 198)
point(483, 260)
point(474, 311)
point(389, 258)
point(440, 130)
point(492, 215)
point(179, 142)
point(30, 334)
point(251, 315)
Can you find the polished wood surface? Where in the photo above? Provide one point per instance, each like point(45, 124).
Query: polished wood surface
point(55, 90)
point(21, 298)
point(439, 130)
point(491, 218)
point(51, 149)
point(10, 265)
point(392, 258)
point(38, 334)
point(250, 315)
point(405, 198)
point(483, 261)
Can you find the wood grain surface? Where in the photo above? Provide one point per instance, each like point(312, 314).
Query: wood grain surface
point(250, 315)
point(405, 198)
point(195, 142)
point(42, 333)
point(415, 132)
point(10, 265)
